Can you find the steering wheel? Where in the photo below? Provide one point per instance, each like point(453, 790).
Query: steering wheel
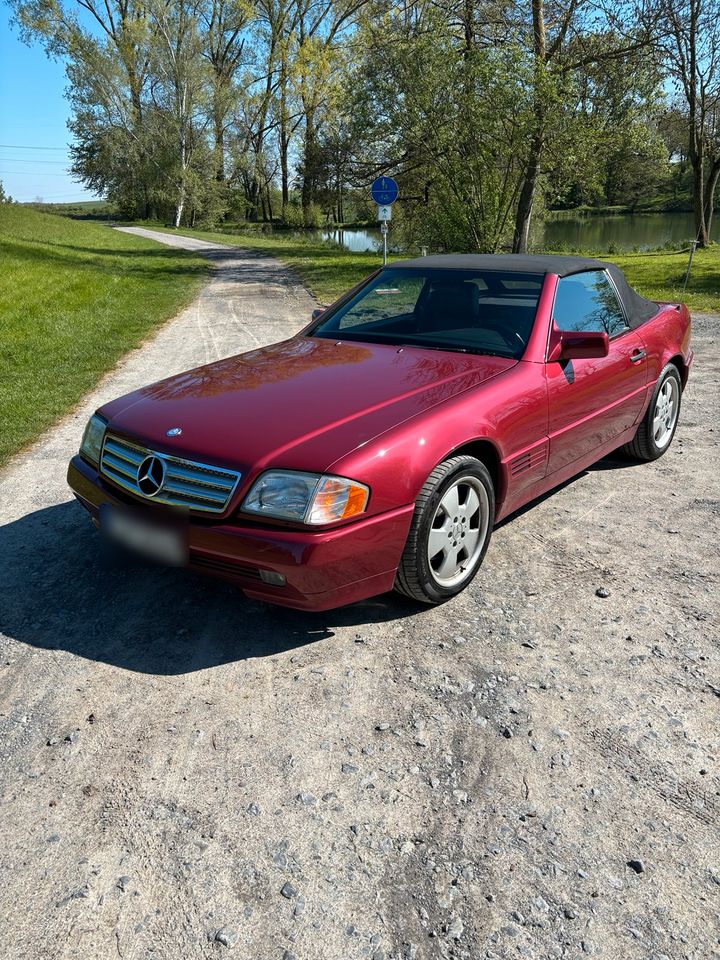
point(509, 338)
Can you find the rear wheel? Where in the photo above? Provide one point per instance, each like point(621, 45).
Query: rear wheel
point(450, 531)
point(657, 429)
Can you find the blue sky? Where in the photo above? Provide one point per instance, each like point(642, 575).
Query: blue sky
point(33, 118)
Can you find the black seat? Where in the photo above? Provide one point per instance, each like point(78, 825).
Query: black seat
point(449, 306)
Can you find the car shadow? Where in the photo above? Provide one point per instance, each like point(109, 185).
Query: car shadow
point(615, 461)
point(62, 591)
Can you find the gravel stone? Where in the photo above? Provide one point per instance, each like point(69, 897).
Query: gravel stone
point(227, 936)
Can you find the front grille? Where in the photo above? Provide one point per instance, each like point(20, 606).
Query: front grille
point(185, 483)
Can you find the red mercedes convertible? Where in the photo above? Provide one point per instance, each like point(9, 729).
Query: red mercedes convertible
point(377, 448)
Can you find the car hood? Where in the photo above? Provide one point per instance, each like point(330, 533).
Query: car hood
point(300, 404)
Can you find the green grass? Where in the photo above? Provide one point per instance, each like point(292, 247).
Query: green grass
point(328, 271)
point(74, 297)
point(80, 209)
point(660, 276)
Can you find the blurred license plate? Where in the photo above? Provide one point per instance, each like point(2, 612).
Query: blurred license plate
point(162, 543)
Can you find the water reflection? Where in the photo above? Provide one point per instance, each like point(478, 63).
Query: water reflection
point(624, 232)
point(356, 239)
point(562, 231)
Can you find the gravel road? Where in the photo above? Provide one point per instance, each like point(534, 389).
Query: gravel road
point(529, 771)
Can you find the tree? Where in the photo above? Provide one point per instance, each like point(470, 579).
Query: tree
point(608, 149)
point(109, 44)
point(449, 119)
point(180, 85)
point(563, 41)
point(692, 46)
point(224, 23)
point(322, 26)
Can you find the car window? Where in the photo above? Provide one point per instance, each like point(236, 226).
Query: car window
point(587, 302)
point(387, 301)
point(482, 311)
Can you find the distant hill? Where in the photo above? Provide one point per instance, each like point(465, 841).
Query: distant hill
point(80, 209)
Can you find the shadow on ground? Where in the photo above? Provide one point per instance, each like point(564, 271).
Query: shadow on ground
point(616, 461)
point(60, 591)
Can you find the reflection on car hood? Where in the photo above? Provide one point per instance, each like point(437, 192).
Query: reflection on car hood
point(302, 403)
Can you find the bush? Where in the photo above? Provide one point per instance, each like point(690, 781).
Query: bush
point(293, 216)
point(313, 216)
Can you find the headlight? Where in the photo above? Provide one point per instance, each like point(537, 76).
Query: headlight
point(306, 497)
point(91, 444)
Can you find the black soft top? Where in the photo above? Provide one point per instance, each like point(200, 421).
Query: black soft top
point(637, 309)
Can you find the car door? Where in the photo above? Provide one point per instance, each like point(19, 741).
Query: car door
point(591, 401)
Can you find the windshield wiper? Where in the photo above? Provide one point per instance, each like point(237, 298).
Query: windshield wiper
point(449, 349)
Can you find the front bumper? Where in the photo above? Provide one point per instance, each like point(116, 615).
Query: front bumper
point(322, 569)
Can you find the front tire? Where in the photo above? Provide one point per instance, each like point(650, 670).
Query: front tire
point(450, 531)
point(657, 429)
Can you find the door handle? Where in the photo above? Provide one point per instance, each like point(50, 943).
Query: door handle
point(637, 356)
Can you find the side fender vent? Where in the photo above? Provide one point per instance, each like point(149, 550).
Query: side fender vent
point(527, 460)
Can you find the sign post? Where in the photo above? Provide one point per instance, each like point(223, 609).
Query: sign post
point(384, 192)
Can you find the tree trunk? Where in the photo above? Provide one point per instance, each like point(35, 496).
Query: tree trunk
point(710, 188)
point(141, 195)
point(219, 132)
point(523, 216)
point(181, 187)
point(697, 161)
point(526, 199)
point(308, 185)
point(284, 136)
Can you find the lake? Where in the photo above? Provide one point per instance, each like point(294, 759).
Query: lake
point(596, 233)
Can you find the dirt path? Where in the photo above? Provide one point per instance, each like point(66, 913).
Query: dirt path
point(185, 774)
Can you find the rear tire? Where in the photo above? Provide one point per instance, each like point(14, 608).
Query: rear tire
point(450, 531)
point(657, 428)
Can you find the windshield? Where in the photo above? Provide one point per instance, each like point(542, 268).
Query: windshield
point(461, 310)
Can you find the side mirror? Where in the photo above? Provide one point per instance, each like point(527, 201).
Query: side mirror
point(579, 345)
point(317, 313)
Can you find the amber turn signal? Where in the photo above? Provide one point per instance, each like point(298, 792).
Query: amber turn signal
point(337, 499)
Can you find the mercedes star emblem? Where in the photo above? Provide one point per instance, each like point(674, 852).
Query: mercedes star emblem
point(151, 476)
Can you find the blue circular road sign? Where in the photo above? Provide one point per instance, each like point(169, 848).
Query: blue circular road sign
point(384, 191)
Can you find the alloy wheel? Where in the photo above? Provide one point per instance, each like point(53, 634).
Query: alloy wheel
point(458, 531)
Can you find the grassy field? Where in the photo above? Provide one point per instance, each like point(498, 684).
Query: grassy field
point(74, 208)
point(660, 276)
point(328, 271)
point(74, 297)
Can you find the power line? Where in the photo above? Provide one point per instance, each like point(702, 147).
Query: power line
point(60, 197)
point(33, 173)
point(24, 146)
point(56, 163)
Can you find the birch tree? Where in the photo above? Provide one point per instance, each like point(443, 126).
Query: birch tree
point(692, 45)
